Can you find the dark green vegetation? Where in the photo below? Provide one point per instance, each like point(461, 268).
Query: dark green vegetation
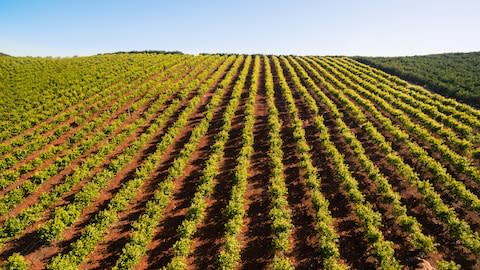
point(455, 75)
point(172, 161)
point(145, 52)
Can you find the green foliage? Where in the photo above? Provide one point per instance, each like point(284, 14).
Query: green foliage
point(459, 228)
point(95, 231)
point(235, 211)
point(34, 89)
point(144, 227)
point(328, 244)
point(476, 153)
point(197, 208)
point(448, 265)
point(453, 130)
point(281, 263)
point(461, 163)
point(452, 74)
point(97, 122)
point(28, 143)
point(16, 262)
point(145, 52)
point(65, 216)
point(370, 219)
point(279, 213)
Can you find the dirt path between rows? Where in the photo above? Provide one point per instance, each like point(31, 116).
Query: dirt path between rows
point(160, 249)
point(209, 237)
point(107, 252)
point(304, 240)
point(448, 248)
point(43, 253)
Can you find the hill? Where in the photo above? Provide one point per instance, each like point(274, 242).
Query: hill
point(455, 75)
point(145, 52)
point(129, 161)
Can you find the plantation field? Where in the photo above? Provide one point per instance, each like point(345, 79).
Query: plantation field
point(143, 161)
point(455, 75)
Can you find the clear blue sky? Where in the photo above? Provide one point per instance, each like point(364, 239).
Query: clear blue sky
point(361, 27)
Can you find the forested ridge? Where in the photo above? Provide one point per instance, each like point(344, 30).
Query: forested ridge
point(455, 75)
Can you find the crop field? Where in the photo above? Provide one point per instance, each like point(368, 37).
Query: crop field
point(142, 161)
point(455, 75)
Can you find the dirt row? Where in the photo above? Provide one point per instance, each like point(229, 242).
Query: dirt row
point(25, 243)
point(256, 237)
point(472, 185)
point(208, 239)
point(49, 184)
point(90, 103)
point(62, 139)
point(448, 248)
point(70, 120)
point(109, 249)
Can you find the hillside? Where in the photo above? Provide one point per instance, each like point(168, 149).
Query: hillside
point(144, 161)
point(455, 75)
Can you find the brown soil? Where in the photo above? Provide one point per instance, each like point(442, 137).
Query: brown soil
point(472, 185)
point(32, 198)
point(141, 130)
point(63, 138)
point(160, 249)
point(353, 245)
point(417, 121)
point(107, 252)
point(25, 243)
point(209, 237)
point(255, 236)
point(91, 104)
point(304, 240)
point(448, 248)
point(49, 120)
point(87, 101)
point(89, 213)
point(392, 231)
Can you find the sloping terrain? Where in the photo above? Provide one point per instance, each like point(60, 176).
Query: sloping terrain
point(455, 75)
point(145, 161)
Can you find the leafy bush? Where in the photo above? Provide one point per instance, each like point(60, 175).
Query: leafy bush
point(16, 262)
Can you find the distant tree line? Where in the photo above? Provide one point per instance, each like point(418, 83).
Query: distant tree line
point(144, 52)
point(455, 75)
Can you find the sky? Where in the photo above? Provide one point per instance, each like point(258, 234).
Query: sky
point(302, 27)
